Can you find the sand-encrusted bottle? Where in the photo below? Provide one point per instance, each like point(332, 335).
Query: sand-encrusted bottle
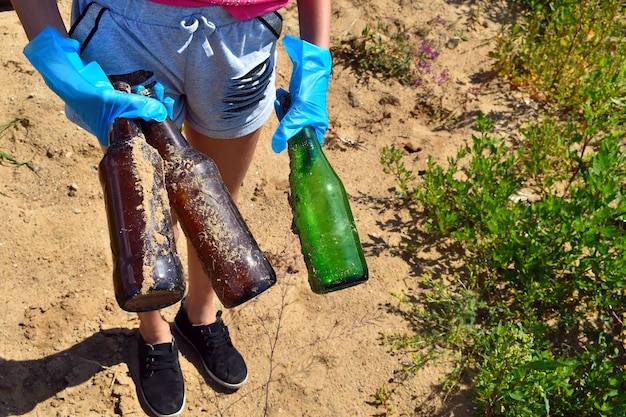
point(147, 272)
point(209, 217)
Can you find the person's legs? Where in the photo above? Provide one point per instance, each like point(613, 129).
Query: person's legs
point(197, 319)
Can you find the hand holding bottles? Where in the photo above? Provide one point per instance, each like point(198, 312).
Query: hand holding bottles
point(85, 87)
point(307, 88)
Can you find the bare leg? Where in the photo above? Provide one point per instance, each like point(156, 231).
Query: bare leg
point(153, 328)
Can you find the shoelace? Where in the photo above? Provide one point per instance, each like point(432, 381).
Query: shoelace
point(215, 339)
point(158, 360)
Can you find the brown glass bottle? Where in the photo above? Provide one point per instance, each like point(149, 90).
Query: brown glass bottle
point(147, 272)
point(209, 217)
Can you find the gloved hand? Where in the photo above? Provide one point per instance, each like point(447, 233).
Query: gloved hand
point(86, 88)
point(307, 89)
point(159, 94)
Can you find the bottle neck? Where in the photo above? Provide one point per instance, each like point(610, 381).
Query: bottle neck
point(304, 150)
point(123, 130)
point(164, 136)
point(304, 138)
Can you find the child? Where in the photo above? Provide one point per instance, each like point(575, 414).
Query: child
point(216, 60)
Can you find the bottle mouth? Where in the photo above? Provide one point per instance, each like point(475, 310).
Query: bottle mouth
point(122, 86)
point(285, 101)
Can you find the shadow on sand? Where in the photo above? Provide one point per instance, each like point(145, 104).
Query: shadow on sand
point(26, 383)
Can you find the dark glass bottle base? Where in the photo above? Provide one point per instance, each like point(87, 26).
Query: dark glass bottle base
point(154, 300)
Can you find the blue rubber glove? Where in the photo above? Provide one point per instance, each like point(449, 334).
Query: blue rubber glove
point(159, 94)
point(86, 88)
point(307, 89)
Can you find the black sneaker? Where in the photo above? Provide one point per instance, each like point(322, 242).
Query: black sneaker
point(161, 383)
point(212, 342)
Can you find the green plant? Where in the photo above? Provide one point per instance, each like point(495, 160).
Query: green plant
point(555, 261)
point(382, 398)
point(7, 157)
point(404, 53)
point(564, 53)
point(391, 159)
point(519, 376)
point(536, 322)
point(385, 51)
point(448, 317)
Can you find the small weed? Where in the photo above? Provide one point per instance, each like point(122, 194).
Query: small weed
point(272, 321)
point(382, 398)
point(391, 159)
point(397, 51)
point(9, 158)
point(406, 54)
point(385, 51)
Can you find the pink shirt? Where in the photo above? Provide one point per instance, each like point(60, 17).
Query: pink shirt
point(239, 9)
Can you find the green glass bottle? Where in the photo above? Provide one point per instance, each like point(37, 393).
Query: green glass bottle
point(322, 218)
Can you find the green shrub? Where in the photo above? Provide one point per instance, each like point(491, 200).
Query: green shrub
point(565, 53)
point(552, 269)
point(537, 321)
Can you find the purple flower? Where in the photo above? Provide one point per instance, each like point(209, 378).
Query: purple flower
point(427, 51)
point(442, 78)
point(437, 20)
point(424, 66)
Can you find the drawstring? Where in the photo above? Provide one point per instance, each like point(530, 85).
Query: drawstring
point(191, 26)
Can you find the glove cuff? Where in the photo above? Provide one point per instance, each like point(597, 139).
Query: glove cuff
point(310, 62)
point(49, 40)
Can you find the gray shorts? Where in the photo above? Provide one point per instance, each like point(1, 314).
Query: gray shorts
point(218, 70)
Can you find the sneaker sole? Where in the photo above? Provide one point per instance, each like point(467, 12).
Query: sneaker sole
point(213, 377)
point(156, 413)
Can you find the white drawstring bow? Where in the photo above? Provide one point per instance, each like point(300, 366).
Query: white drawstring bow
point(191, 26)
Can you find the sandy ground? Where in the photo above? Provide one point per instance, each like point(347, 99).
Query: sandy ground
point(67, 349)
